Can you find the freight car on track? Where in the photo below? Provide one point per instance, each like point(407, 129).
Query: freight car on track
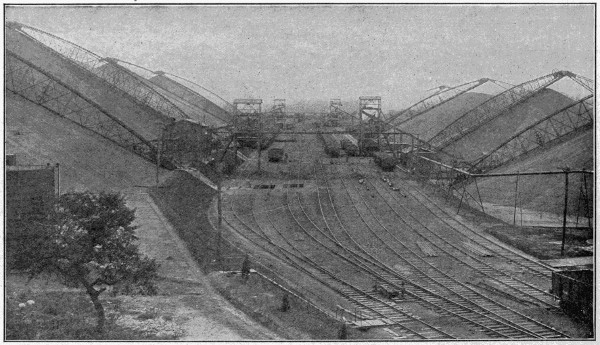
point(275, 154)
point(575, 289)
point(386, 161)
point(349, 144)
point(331, 144)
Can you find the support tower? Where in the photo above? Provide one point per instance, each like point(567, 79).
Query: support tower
point(335, 112)
point(247, 121)
point(370, 123)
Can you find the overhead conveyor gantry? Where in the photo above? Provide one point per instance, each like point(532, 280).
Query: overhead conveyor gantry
point(105, 68)
point(496, 106)
point(574, 117)
point(445, 94)
point(37, 86)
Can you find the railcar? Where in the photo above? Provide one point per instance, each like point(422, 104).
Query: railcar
point(575, 289)
point(350, 148)
point(332, 146)
point(385, 161)
point(275, 154)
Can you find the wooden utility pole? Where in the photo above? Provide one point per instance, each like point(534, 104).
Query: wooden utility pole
point(158, 153)
point(396, 146)
point(516, 199)
point(58, 179)
point(588, 214)
point(562, 248)
point(361, 140)
point(259, 136)
point(219, 213)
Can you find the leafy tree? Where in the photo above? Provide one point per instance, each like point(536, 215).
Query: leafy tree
point(90, 243)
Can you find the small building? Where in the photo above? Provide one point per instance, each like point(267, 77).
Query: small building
point(187, 142)
point(30, 191)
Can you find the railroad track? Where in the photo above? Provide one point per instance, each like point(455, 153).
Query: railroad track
point(539, 330)
point(535, 267)
point(372, 306)
point(327, 232)
point(522, 290)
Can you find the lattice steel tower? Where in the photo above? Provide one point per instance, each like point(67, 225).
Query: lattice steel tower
point(369, 107)
point(335, 105)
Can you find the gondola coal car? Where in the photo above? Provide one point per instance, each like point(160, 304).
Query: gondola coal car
point(331, 144)
point(575, 289)
point(349, 144)
point(369, 146)
point(385, 161)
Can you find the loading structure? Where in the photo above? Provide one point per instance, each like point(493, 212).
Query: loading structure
point(370, 119)
point(335, 113)
point(195, 105)
point(37, 86)
point(105, 68)
point(278, 112)
point(499, 105)
point(247, 121)
point(443, 95)
point(575, 117)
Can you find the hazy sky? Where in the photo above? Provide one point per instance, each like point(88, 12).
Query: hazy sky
point(322, 52)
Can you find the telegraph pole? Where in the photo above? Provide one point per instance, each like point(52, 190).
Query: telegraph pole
point(158, 153)
point(361, 139)
point(219, 212)
point(258, 141)
point(562, 248)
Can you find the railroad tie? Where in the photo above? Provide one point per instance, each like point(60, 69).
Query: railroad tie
point(426, 248)
point(477, 249)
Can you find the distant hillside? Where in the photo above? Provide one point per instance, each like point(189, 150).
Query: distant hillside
point(433, 121)
point(543, 193)
point(497, 131)
point(87, 160)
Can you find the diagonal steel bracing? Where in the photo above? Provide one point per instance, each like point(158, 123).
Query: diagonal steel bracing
point(37, 86)
point(587, 83)
point(574, 117)
point(219, 101)
point(106, 69)
point(434, 101)
point(493, 108)
point(184, 93)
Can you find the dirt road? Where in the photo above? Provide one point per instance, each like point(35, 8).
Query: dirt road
point(204, 314)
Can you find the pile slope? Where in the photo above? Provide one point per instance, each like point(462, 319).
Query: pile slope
point(210, 113)
point(433, 121)
point(87, 160)
point(500, 129)
point(543, 193)
point(142, 119)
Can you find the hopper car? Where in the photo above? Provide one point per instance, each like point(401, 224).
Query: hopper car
point(349, 144)
point(385, 161)
point(248, 130)
point(275, 154)
point(575, 289)
point(331, 144)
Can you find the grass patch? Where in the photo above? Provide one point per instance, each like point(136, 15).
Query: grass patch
point(542, 242)
point(184, 200)
point(262, 301)
point(57, 315)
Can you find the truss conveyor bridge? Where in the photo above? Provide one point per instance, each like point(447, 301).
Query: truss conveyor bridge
point(500, 104)
point(37, 86)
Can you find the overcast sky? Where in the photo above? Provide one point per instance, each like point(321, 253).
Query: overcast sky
point(322, 52)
